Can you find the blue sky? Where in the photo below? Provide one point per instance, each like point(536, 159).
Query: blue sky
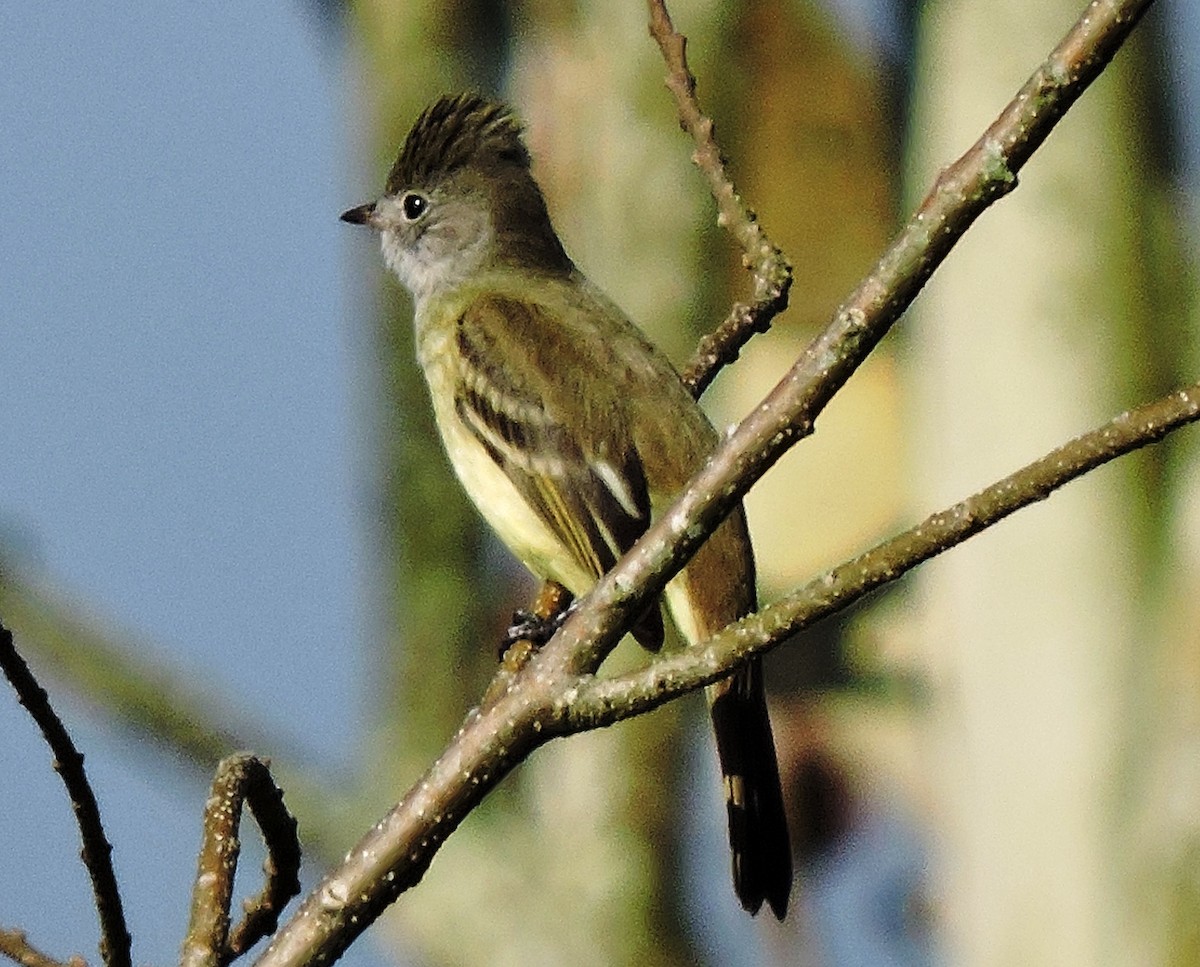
point(181, 426)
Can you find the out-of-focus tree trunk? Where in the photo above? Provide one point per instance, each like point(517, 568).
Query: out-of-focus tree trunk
point(1043, 639)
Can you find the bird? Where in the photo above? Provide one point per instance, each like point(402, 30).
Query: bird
point(565, 425)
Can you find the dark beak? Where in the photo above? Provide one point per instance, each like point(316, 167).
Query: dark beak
point(360, 215)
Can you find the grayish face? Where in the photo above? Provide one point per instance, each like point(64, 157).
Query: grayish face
point(433, 240)
point(461, 202)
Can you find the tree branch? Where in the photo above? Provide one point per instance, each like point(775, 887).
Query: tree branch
point(600, 702)
point(772, 273)
point(240, 778)
point(164, 705)
point(281, 868)
point(15, 946)
point(68, 763)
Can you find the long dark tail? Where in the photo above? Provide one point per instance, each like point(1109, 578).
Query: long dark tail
point(718, 586)
point(758, 832)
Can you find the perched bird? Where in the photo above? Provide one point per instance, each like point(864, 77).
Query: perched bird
point(566, 427)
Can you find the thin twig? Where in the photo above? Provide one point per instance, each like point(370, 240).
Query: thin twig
point(395, 853)
point(281, 868)
point(68, 763)
point(241, 778)
point(601, 702)
point(163, 705)
point(15, 946)
point(771, 271)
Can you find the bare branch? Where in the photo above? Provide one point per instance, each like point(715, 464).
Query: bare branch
point(281, 868)
point(772, 273)
point(602, 702)
point(240, 778)
point(68, 763)
point(163, 705)
point(14, 946)
point(396, 851)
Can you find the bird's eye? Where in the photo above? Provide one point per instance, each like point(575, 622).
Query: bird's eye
point(414, 205)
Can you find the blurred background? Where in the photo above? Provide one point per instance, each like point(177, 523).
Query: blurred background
point(218, 479)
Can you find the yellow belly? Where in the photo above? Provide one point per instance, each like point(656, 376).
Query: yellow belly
point(517, 525)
